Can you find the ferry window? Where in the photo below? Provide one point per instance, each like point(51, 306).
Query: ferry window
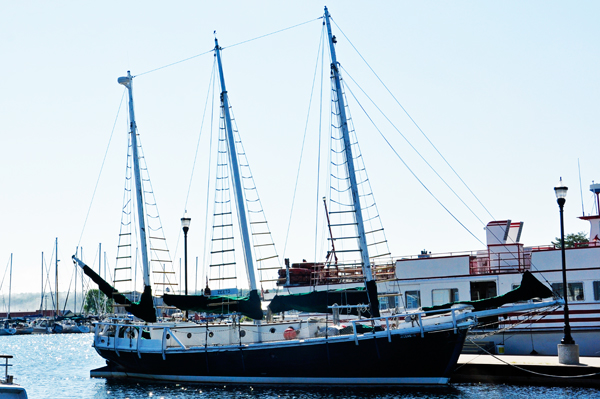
point(387, 303)
point(413, 299)
point(574, 290)
point(440, 297)
point(597, 290)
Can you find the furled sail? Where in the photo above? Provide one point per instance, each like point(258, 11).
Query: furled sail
point(247, 305)
point(530, 288)
point(144, 309)
point(321, 301)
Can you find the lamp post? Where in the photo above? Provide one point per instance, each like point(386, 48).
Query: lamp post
point(568, 352)
point(185, 225)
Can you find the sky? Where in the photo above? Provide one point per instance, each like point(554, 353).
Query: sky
point(508, 92)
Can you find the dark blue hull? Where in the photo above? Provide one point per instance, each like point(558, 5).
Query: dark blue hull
point(407, 359)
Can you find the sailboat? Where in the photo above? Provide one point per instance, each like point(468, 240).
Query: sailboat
point(6, 328)
point(367, 351)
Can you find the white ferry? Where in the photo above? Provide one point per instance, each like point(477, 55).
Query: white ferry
point(434, 279)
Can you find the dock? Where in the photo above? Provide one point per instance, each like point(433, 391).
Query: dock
point(527, 370)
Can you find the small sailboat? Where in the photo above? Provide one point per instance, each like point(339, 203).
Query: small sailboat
point(366, 351)
point(6, 327)
point(11, 326)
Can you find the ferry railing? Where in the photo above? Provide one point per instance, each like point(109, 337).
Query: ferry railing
point(321, 273)
point(500, 262)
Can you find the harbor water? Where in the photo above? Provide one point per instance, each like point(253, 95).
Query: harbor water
point(58, 366)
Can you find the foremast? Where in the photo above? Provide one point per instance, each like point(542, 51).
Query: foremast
point(237, 182)
point(343, 125)
point(127, 82)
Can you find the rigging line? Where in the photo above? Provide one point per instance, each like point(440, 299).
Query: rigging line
point(174, 63)
point(199, 137)
point(413, 147)
point(319, 56)
point(320, 137)
point(212, 49)
point(101, 167)
point(411, 171)
point(414, 122)
point(272, 33)
point(68, 293)
point(208, 179)
point(5, 270)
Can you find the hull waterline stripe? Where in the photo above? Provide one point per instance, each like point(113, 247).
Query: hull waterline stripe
point(274, 380)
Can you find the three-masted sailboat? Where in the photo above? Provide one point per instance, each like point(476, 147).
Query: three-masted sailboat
point(377, 350)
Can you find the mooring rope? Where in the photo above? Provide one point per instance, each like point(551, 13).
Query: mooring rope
point(524, 369)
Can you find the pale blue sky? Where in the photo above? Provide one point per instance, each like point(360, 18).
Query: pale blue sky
point(508, 91)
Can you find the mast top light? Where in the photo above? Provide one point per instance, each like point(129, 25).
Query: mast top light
point(125, 80)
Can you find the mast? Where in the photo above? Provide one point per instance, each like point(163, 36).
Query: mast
point(237, 183)
point(127, 82)
point(56, 274)
point(42, 291)
point(370, 284)
point(9, 286)
point(343, 123)
point(75, 298)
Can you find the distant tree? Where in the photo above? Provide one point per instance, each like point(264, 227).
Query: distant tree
point(573, 240)
point(96, 302)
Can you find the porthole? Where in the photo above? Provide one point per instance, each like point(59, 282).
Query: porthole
point(168, 336)
point(211, 334)
point(242, 333)
point(272, 330)
point(189, 335)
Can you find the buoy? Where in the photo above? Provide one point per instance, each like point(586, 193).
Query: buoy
point(289, 333)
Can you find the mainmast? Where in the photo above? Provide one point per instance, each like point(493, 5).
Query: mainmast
point(56, 274)
point(343, 123)
point(127, 82)
point(237, 182)
point(9, 287)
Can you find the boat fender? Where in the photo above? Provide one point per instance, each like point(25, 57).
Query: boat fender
point(290, 333)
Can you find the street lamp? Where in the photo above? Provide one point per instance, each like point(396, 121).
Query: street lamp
point(185, 225)
point(568, 349)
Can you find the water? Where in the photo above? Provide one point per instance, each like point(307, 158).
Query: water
point(58, 366)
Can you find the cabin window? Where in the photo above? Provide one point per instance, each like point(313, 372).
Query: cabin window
point(483, 290)
point(597, 290)
point(413, 299)
point(440, 297)
point(574, 291)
